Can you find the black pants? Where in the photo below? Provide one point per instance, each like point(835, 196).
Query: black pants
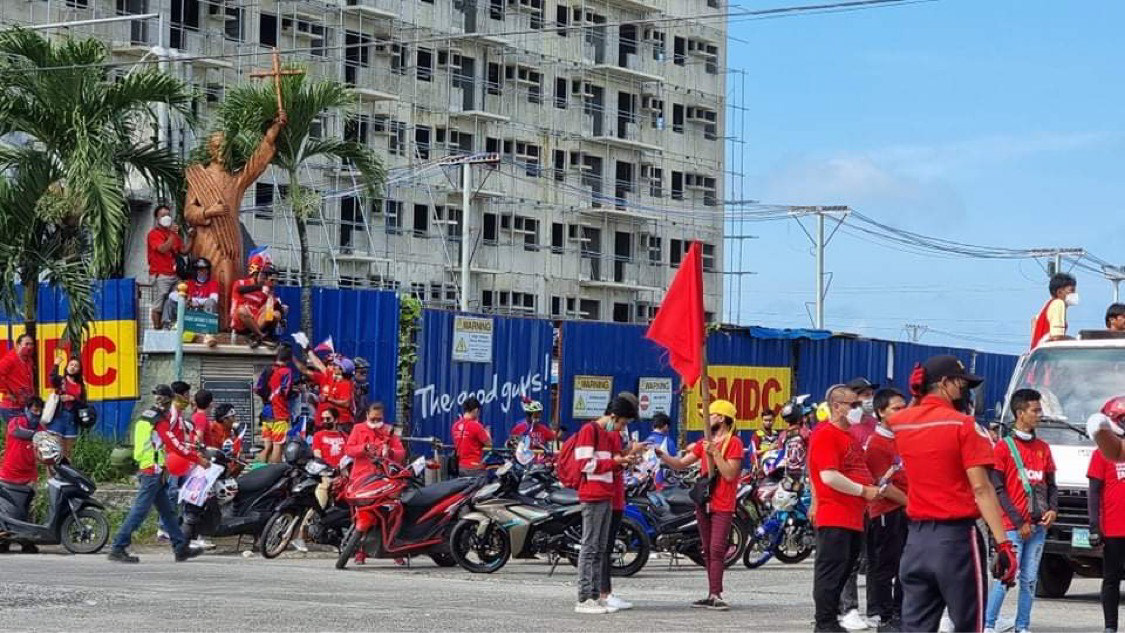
point(943, 566)
point(607, 560)
point(886, 536)
point(849, 597)
point(837, 550)
point(1113, 556)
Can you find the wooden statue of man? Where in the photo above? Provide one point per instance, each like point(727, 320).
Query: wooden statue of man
point(214, 197)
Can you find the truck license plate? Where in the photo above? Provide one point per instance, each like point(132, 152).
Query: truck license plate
point(1080, 537)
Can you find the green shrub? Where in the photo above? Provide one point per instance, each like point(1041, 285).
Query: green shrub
point(91, 456)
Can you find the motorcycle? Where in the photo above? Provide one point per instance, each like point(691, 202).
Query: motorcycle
point(668, 518)
point(241, 506)
point(324, 525)
point(530, 515)
point(74, 518)
point(393, 514)
point(786, 533)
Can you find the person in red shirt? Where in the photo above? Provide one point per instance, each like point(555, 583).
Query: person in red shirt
point(470, 439)
point(1050, 324)
point(19, 467)
point(1106, 505)
point(598, 454)
point(201, 417)
point(725, 449)
point(1024, 477)
point(274, 431)
point(372, 440)
point(219, 430)
point(71, 388)
point(337, 390)
point(841, 486)
point(254, 309)
point(947, 457)
point(886, 527)
point(202, 293)
point(163, 245)
point(539, 433)
point(17, 371)
point(328, 444)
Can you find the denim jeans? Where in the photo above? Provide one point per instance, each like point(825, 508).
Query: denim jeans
point(596, 517)
point(151, 490)
point(1029, 553)
point(173, 488)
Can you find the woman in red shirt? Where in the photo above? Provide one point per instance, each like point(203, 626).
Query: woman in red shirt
point(71, 389)
point(725, 449)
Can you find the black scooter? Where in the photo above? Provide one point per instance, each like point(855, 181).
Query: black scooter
point(259, 492)
point(325, 526)
point(74, 518)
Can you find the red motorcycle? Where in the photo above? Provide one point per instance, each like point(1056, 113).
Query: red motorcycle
point(394, 514)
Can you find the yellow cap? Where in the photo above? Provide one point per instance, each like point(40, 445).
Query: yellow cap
point(724, 408)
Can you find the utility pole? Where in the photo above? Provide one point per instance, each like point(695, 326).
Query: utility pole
point(915, 332)
point(1055, 266)
point(1115, 274)
point(819, 243)
point(466, 162)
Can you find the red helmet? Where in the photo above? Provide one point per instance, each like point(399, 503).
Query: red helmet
point(1114, 409)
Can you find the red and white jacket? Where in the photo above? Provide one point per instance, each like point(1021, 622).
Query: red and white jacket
point(594, 451)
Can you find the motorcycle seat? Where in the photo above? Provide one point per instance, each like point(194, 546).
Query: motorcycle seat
point(677, 496)
point(259, 479)
point(563, 496)
point(429, 495)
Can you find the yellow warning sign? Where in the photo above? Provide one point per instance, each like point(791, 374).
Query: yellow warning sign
point(472, 339)
point(591, 396)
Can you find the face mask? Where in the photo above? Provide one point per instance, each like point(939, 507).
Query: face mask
point(375, 424)
point(201, 276)
point(165, 221)
point(181, 403)
point(855, 415)
point(869, 406)
point(1023, 435)
point(32, 417)
point(1072, 299)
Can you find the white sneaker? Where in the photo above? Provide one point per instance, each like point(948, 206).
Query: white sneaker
point(946, 625)
point(853, 621)
point(608, 608)
point(299, 545)
point(617, 603)
point(162, 536)
point(201, 543)
point(590, 607)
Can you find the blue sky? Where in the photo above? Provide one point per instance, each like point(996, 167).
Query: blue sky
point(998, 123)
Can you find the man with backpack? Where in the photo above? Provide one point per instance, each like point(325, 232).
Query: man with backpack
point(589, 461)
point(275, 428)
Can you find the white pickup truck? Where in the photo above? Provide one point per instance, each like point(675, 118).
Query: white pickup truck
point(1076, 377)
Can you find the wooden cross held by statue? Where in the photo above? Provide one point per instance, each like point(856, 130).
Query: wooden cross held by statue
point(277, 73)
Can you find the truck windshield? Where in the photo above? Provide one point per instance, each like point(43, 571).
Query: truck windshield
point(1075, 382)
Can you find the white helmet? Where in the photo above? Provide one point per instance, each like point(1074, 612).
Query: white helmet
point(226, 489)
point(532, 406)
point(47, 448)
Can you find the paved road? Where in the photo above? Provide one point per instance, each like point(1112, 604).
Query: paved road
point(296, 592)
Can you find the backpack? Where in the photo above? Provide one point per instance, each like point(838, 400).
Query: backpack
point(567, 469)
point(262, 385)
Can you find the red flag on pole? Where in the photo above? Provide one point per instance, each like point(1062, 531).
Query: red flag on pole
point(678, 326)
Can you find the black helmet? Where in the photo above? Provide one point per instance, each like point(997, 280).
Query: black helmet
point(296, 451)
point(791, 412)
point(203, 262)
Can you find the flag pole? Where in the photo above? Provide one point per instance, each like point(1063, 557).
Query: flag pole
point(706, 397)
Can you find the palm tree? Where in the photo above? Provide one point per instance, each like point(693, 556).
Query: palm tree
point(70, 136)
point(241, 117)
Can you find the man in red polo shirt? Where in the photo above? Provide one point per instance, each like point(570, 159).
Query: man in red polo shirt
point(841, 487)
point(469, 439)
point(17, 370)
point(163, 245)
point(886, 529)
point(948, 458)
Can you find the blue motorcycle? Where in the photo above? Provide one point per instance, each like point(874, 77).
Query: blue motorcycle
point(668, 519)
point(786, 533)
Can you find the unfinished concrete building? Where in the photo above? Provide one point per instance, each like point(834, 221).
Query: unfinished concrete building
point(600, 125)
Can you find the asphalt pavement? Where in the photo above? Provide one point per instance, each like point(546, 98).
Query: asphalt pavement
point(53, 591)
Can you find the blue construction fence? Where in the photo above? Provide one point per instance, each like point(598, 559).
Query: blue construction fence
point(571, 367)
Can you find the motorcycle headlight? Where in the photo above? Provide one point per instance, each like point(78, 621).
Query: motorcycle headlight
point(316, 468)
point(487, 491)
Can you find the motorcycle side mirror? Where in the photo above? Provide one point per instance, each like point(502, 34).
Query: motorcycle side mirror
point(504, 470)
point(418, 466)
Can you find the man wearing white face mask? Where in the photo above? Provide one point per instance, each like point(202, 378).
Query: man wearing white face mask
point(1050, 324)
point(163, 245)
point(862, 423)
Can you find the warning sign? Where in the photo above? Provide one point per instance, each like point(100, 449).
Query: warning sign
point(655, 395)
point(591, 396)
point(472, 339)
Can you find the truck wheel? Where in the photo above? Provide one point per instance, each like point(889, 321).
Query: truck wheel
point(1055, 574)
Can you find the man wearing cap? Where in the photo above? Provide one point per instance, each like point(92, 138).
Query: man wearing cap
point(841, 488)
point(948, 458)
point(152, 439)
point(254, 309)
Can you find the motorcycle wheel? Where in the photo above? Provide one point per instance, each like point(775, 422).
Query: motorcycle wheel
point(736, 544)
point(278, 533)
point(757, 551)
point(800, 553)
point(85, 531)
point(353, 538)
point(476, 554)
point(630, 548)
point(443, 559)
